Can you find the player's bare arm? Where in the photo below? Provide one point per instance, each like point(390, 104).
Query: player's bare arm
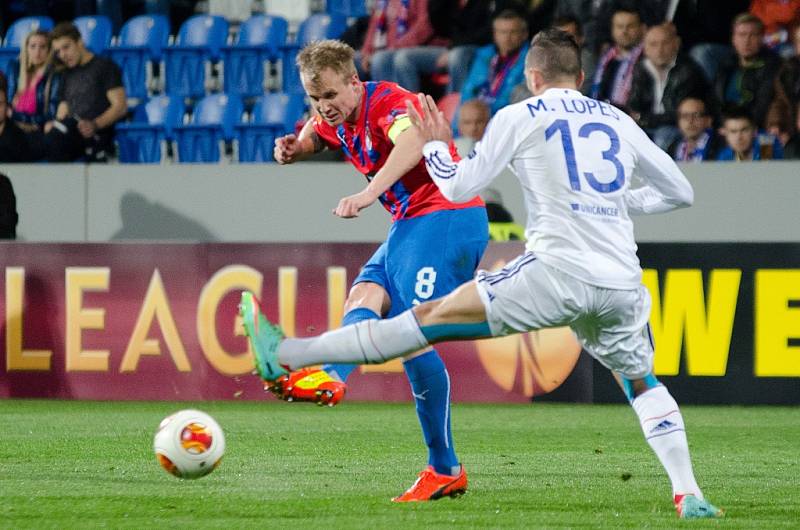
point(291, 148)
point(406, 154)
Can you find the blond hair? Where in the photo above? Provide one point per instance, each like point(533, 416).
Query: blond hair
point(26, 68)
point(326, 54)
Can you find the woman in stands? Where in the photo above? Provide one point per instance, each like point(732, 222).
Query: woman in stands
point(37, 84)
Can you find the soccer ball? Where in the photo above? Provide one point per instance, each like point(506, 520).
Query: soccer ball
point(189, 444)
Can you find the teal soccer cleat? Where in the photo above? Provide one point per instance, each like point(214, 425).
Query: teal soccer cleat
point(690, 507)
point(264, 338)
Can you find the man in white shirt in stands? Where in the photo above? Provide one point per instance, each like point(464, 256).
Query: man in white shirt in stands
point(575, 158)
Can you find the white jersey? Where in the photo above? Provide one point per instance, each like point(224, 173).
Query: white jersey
point(574, 157)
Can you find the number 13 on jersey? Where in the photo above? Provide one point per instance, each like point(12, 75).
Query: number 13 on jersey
point(562, 126)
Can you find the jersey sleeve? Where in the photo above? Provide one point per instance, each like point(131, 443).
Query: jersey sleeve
point(326, 133)
point(390, 113)
point(463, 180)
point(666, 187)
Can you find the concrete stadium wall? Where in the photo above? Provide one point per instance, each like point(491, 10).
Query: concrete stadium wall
point(744, 202)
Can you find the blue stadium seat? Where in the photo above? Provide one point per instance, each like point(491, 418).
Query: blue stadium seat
point(348, 8)
point(140, 141)
point(141, 40)
point(273, 115)
point(96, 32)
point(212, 123)
point(316, 27)
point(16, 36)
point(261, 38)
point(21, 27)
point(199, 42)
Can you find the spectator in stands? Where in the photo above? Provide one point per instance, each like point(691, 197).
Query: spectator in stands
point(37, 86)
point(787, 86)
point(743, 140)
point(594, 18)
point(780, 17)
point(473, 117)
point(698, 141)
point(394, 25)
point(466, 24)
point(613, 77)
point(499, 67)
point(566, 23)
point(780, 123)
point(749, 80)
point(660, 81)
point(705, 28)
point(791, 150)
point(92, 101)
point(14, 145)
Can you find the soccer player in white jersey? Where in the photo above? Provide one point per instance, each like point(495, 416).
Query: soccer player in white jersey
point(575, 158)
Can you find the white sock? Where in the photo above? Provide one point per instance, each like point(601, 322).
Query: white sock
point(366, 342)
point(663, 429)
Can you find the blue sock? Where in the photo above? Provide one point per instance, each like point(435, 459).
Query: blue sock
point(431, 386)
point(343, 371)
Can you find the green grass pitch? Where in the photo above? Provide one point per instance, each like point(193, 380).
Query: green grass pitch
point(89, 464)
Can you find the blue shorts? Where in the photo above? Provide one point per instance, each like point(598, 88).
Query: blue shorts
point(427, 257)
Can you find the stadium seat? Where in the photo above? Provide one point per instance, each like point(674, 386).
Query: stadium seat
point(316, 27)
point(449, 104)
point(212, 123)
point(20, 28)
point(141, 41)
point(16, 36)
point(142, 141)
point(260, 39)
point(96, 32)
point(198, 44)
point(294, 11)
point(273, 115)
point(348, 8)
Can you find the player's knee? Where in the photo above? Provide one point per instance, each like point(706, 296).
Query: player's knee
point(428, 313)
point(369, 295)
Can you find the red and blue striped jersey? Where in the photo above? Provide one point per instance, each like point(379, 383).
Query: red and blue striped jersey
point(367, 145)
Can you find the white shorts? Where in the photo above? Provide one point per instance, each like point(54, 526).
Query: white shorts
point(611, 324)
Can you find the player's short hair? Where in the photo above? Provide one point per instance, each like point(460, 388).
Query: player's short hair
point(323, 54)
point(555, 53)
point(65, 29)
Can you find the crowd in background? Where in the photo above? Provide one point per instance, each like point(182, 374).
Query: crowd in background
point(706, 80)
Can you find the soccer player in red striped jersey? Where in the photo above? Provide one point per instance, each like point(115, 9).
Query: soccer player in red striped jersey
point(433, 244)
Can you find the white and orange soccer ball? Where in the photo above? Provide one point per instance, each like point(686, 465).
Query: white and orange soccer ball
point(189, 444)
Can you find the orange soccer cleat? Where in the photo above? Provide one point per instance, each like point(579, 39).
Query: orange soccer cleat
point(308, 384)
point(432, 485)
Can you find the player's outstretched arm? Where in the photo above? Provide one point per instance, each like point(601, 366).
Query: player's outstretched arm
point(461, 181)
point(406, 154)
point(666, 186)
point(290, 148)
